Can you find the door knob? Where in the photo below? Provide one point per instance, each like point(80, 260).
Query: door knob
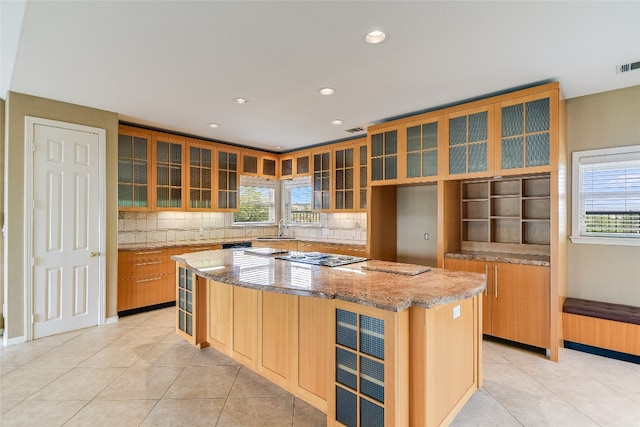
point(94, 254)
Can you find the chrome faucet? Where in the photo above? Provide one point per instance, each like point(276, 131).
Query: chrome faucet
point(281, 224)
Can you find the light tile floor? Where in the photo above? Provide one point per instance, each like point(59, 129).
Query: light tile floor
point(137, 372)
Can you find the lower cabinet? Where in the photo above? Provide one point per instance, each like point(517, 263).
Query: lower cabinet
point(145, 278)
point(516, 301)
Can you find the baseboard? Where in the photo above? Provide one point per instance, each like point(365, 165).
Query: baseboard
point(111, 320)
point(612, 354)
point(145, 309)
point(13, 341)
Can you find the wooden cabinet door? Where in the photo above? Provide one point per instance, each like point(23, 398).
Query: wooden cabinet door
point(469, 136)
point(384, 155)
point(314, 346)
point(169, 172)
point(533, 305)
point(228, 182)
point(344, 172)
point(527, 129)
point(245, 312)
point(505, 313)
point(220, 316)
point(277, 315)
point(134, 169)
point(199, 178)
point(321, 181)
point(484, 267)
point(422, 150)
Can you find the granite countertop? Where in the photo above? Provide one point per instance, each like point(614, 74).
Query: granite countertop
point(387, 291)
point(141, 246)
point(541, 260)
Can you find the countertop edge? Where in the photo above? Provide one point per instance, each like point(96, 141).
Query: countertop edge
point(536, 260)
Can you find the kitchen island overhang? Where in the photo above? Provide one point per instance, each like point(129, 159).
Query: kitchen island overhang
point(363, 346)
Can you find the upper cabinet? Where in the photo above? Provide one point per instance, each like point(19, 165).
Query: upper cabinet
point(134, 169)
point(228, 182)
point(384, 156)
point(422, 150)
point(363, 170)
point(294, 165)
point(322, 180)
point(169, 153)
point(528, 129)
point(470, 147)
point(255, 163)
point(344, 172)
point(200, 177)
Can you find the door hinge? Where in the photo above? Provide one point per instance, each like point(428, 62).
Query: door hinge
point(34, 147)
point(33, 319)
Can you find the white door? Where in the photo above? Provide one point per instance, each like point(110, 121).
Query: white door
point(67, 272)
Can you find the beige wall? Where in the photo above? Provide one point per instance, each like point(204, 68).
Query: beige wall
point(417, 213)
point(599, 272)
point(18, 106)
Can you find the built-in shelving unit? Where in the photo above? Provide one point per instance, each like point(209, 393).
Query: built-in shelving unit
point(511, 211)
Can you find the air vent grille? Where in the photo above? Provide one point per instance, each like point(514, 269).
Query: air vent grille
point(627, 67)
point(355, 130)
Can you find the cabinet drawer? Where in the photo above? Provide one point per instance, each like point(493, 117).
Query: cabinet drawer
point(146, 291)
point(137, 264)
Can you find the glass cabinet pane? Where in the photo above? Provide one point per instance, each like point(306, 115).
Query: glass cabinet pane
point(525, 134)
point(384, 156)
point(132, 171)
point(168, 175)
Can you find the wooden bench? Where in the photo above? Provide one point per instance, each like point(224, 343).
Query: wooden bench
point(603, 325)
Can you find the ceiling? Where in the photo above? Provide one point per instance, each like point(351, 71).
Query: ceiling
point(177, 65)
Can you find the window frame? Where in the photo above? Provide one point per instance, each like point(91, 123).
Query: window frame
point(247, 181)
point(607, 155)
point(300, 182)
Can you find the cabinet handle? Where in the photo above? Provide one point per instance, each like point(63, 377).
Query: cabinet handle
point(148, 252)
point(495, 280)
point(148, 263)
point(148, 280)
point(486, 273)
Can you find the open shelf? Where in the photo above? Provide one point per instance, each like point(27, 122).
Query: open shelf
point(500, 213)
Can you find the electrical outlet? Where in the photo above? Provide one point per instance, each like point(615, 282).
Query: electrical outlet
point(201, 231)
point(426, 236)
point(456, 311)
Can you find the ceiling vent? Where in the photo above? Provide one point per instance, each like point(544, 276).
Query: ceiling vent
point(355, 130)
point(627, 67)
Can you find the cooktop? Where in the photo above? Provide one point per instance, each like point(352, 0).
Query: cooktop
point(318, 258)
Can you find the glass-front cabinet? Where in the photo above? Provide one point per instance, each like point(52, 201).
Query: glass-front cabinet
point(200, 178)
point(527, 129)
point(227, 161)
point(384, 156)
point(322, 180)
point(168, 178)
point(344, 173)
point(470, 149)
point(422, 150)
point(134, 169)
point(364, 177)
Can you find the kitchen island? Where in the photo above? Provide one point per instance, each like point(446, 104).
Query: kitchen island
point(368, 347)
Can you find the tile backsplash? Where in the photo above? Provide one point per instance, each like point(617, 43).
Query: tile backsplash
point(169, 227)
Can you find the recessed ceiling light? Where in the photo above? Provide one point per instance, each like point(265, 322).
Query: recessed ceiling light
point(336, 122)
point(240, 100)
point(214, 125)
point(277, 147)
point(376, 36)
point(327, 91)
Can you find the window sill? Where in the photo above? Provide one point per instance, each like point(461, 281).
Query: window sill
point(612, 241)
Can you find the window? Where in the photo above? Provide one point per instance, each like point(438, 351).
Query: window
point(257, 201)
point(606, 196)
point(297, 202)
